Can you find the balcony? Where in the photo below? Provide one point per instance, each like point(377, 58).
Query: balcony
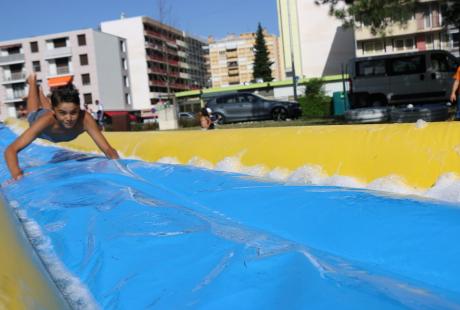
point(184, 65)
point(17, 95)
point(181, 43)
point(16, 77)
point(12, 59)
point(160, 71)
point(157, 83)
point(184, 75)
point(58, 53)
point(60, 71)
point(160, 36)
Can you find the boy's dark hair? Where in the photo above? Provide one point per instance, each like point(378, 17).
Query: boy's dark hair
point(65, 94)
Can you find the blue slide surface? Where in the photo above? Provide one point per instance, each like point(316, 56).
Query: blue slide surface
point(128, 234)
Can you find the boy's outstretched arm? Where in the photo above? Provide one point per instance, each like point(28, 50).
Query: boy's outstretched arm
point(11, 152)
point(97, 136)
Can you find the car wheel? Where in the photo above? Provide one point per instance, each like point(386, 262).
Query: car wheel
point(279, 114)
point(219, 119)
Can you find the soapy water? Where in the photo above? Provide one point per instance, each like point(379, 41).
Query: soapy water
point(446, 188)
point(129, 234)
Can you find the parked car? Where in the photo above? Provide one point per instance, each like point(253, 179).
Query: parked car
point(247, 106)
point(416, 77)
point(185, 115)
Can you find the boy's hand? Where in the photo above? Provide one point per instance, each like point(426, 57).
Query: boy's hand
point(453, 98)
point(11, 181)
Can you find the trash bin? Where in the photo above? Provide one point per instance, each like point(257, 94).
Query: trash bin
point(340, 102)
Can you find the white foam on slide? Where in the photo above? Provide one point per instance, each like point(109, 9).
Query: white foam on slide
point(77, 294)
point(446, 188)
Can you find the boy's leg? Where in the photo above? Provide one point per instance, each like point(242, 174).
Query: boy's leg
point(44, 101)
point(33, 101)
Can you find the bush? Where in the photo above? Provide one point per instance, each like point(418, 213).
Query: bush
point(314, 87)
point(315, 103)
point(313, 106)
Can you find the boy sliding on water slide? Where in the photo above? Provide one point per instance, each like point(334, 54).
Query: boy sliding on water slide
point(57, 121)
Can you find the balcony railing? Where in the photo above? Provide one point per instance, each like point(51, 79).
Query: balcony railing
point(15, 76)
point(17, 95)
point(13, 58)
point(163, 72)
point(58, 52)
point(163, 60)
point(62, 70)
point(160, 36)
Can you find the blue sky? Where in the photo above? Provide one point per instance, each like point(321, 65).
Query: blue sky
point(25, 18)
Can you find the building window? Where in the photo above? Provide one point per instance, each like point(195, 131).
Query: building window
point(371, 47)
point(36, 66)
point(404, 44)
point(429, 41)
point(126, 80)
point(85, 79)
point(61, 42)
point(34, 47)
point(125, 64)
point(83, 59)
point(81, 39)
point(127, 99)
point(87, 98)
point(123, 46)
point(427, 16)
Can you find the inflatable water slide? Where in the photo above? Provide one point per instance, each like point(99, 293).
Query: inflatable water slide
point(318, 217)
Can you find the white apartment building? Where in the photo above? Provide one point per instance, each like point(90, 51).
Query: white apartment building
point(424, 31)
point(160, 58)
point(95, 62)
point(317, 42)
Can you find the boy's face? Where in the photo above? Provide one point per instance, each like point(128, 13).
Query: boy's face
point(67, 114)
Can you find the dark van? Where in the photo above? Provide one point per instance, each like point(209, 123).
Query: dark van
point(416, 77)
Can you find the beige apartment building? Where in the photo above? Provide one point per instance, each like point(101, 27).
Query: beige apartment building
point(424, 31)
point(231, 59)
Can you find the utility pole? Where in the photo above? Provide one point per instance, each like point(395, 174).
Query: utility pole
point(294, 77)
point(163, 12)
point(166, 57)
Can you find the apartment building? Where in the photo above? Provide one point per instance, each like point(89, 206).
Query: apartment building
point(161, 58)
point(424, 31)
point(94, 62)
point(313, 43)
point(231, 59)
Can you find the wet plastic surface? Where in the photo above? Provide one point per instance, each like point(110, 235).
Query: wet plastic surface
point(142, 235)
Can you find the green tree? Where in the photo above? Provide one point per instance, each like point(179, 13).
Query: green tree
point(375, 14)
point(262, 63)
